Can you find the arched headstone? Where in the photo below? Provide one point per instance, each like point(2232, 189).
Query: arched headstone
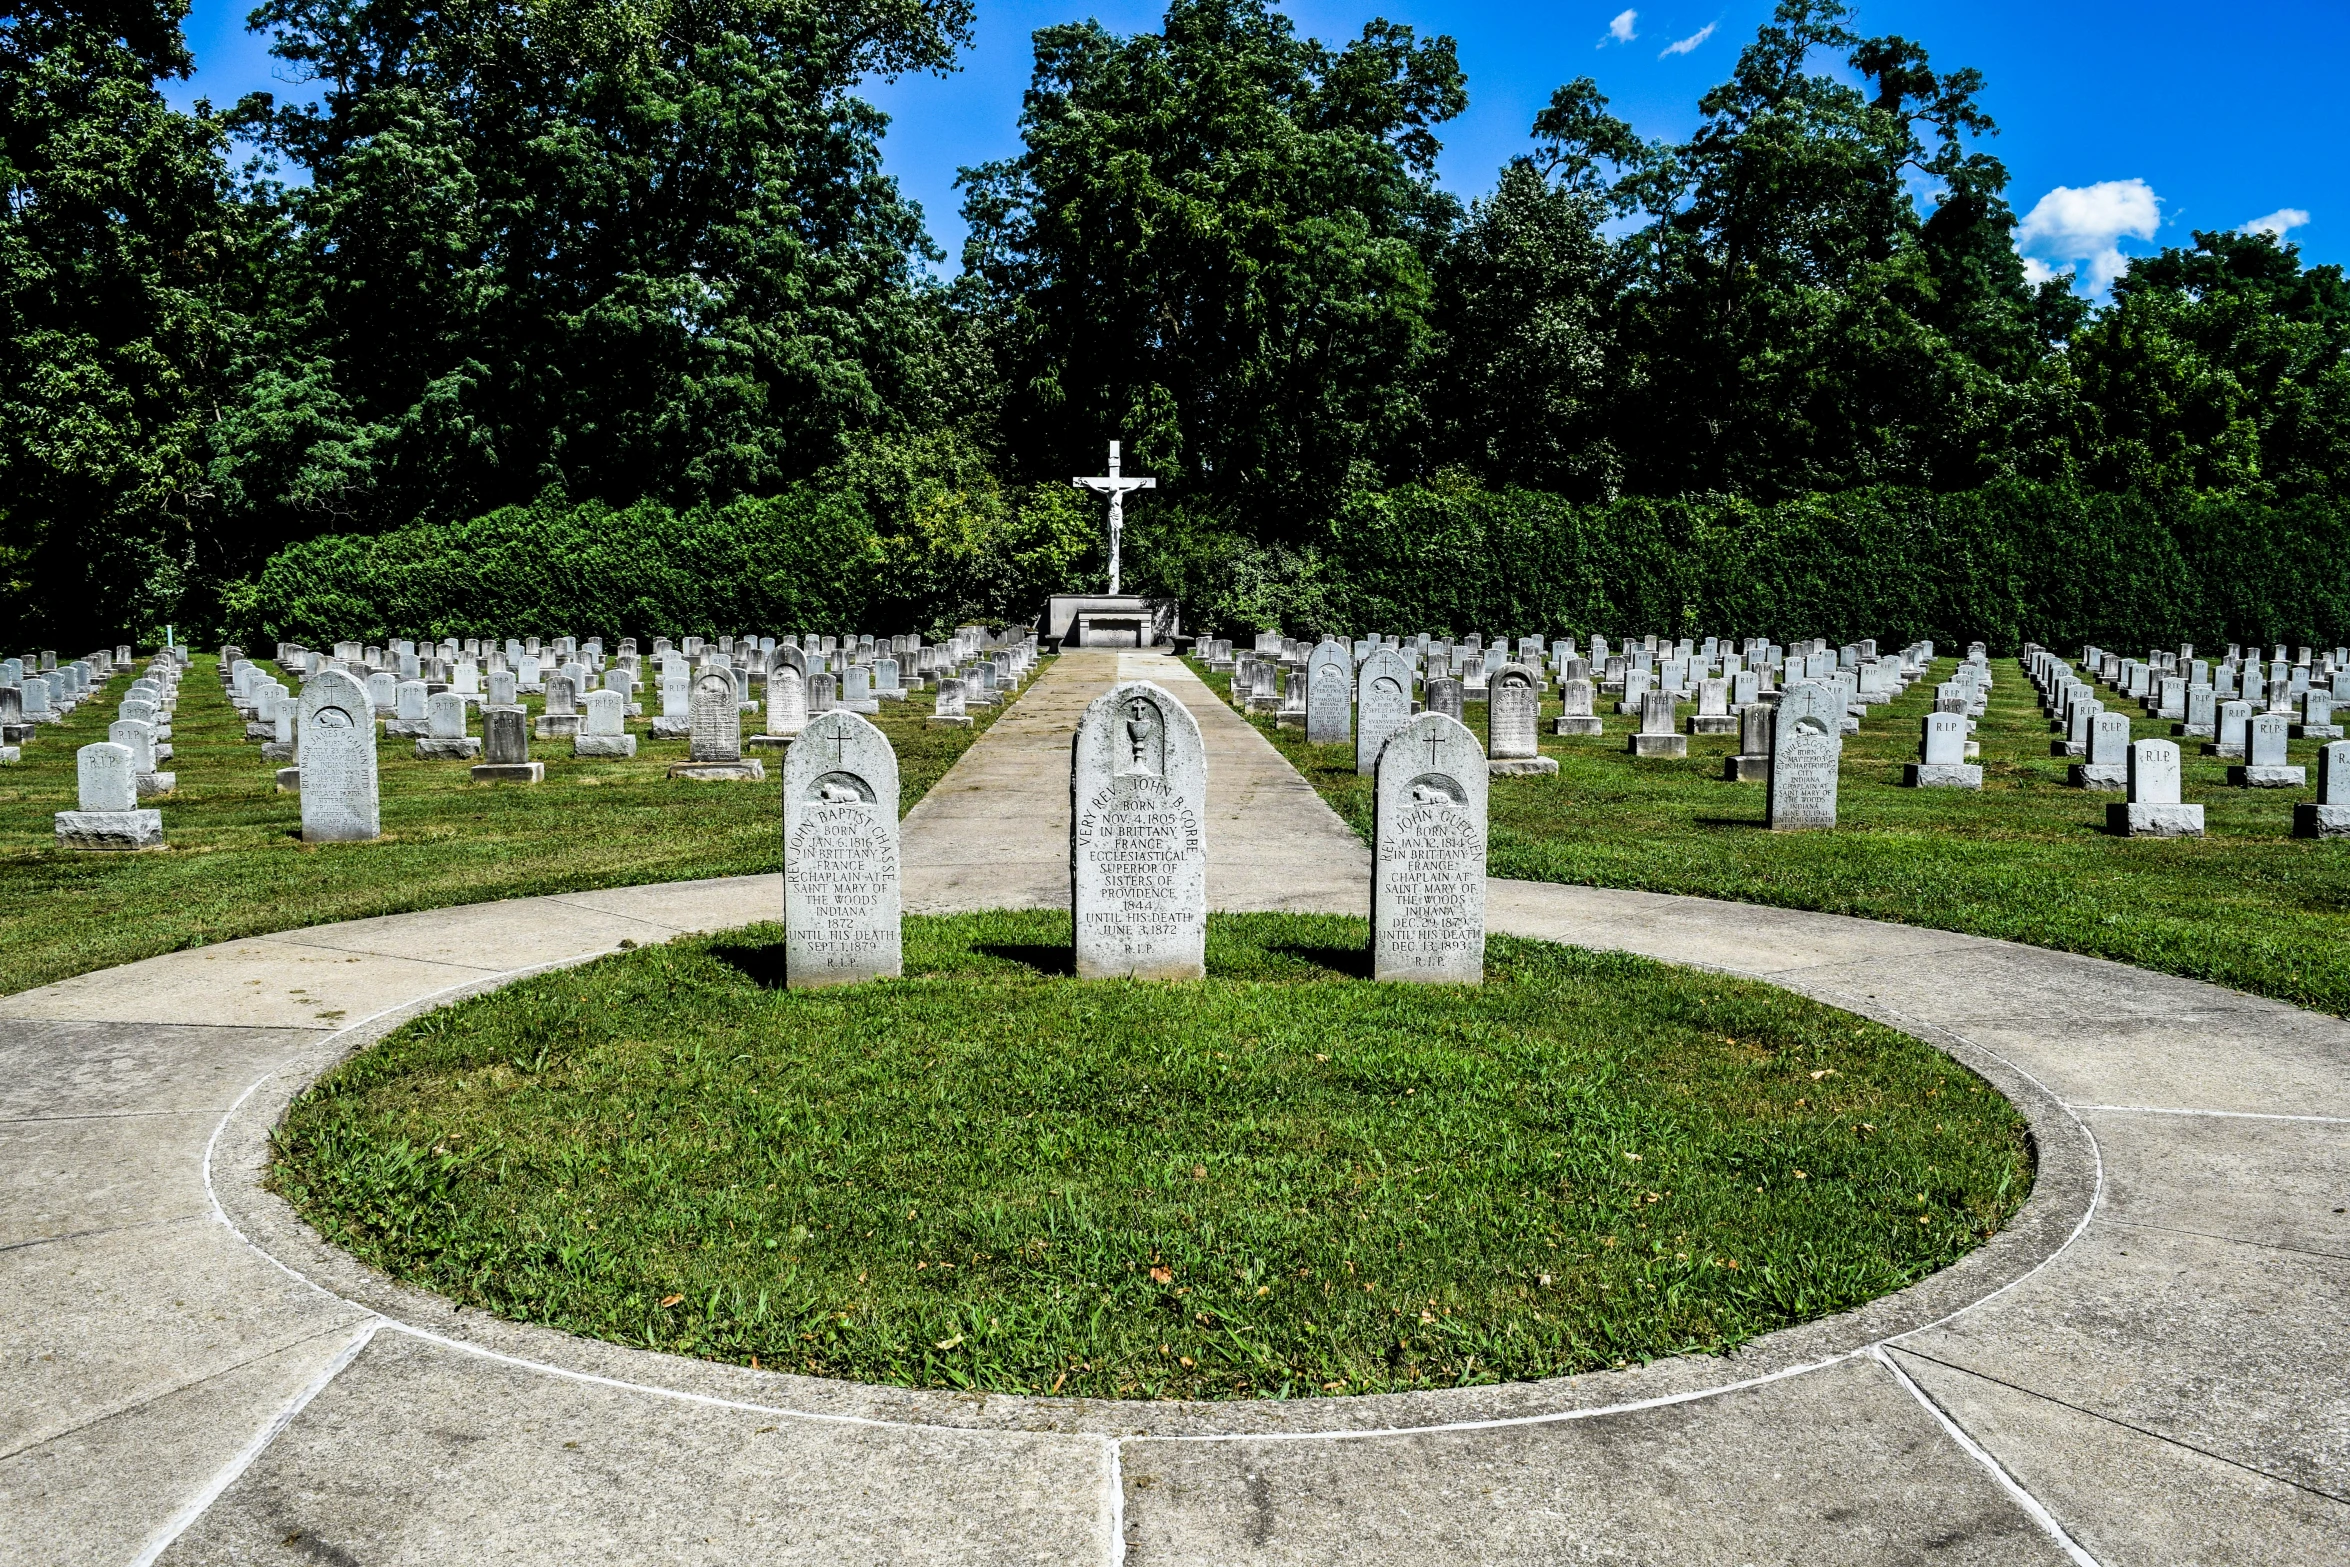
point(1383, 704)
point(335, 750)
point(1428, 855)
point(1807, 743)
point(840, 854)
point(1513, 714)
point(1138, 857)
point(1330, 694)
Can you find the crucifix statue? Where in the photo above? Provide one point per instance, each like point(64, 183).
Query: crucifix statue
point(1115, 488)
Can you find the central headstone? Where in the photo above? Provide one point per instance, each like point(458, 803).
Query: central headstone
point(108, 796)
point(1806, 745)
point(603, 729)
point(715, 732)
point(2154, 809)
point(1513, 724)
point(445, 739)
point(1428, 855)
point(1138, 857)
point(840, 854)
point(1330, 689)
point(1383, 704)
point(1944, 764)
point(334, 748)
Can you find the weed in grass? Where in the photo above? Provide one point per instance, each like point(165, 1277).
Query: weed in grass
point(1282, 1181)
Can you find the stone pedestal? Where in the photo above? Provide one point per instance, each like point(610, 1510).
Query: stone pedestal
point(1576, 726)
point(510, 772)
point(1744, 768)
point(605, 745)
point(2321, 821)
point(462, 749)
point(116, 830)
point(289, 780)
point(947, 721)
point(2100, 775)
point(2270, 777)
point(278, 751)
point(1942, 775)
point(767, 742)
point(152, 784)
point(2154, 821)
point(1107, 620)
point(1521, 767)
point(556, 726)
point(1717, 724)
point(750, 771)
point(1660, 745)
point(2316, 731)
point(2234, 753)
point(10, 755)
point(678, 728)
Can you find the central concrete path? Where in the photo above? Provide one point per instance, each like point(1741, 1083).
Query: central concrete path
point(2152, 1365)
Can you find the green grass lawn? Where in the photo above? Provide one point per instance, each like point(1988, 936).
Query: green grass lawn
point(2027, 858)
point(236, 865)
point(1284, 1180)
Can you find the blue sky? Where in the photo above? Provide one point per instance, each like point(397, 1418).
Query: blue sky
point(2123, 126)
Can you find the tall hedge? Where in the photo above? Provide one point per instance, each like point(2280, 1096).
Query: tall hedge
point(2005, 564)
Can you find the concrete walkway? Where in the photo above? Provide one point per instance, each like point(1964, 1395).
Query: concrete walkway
point(2151, 1365)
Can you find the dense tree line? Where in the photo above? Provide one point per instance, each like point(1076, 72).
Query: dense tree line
point(546, 253)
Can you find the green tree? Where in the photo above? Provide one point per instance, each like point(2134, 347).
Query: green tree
point(113, 244)
point(1215, 245)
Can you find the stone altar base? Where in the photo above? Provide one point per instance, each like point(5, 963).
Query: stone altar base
point(1576, 726)
point(448, 750)
point(1660, 745)
point(2093, 775)
point(151, 784)
point(10, 755)
point(556, 726)
point(603, 745)
point(2154, 821)
point(2314, 731)
point(720, 772)
point(406, 729)
point(278, 751)
point(2295, 777)
point(1943, 775)
point(2234, 753)
point(947, 721)
point(679, 728)
point(1521, 767)
point(289, 780)
point(1747, 768)
point(2321, 821)
point(769, 742)
point(1717, 724)
point(2192, 731)
point(510, 772)
point(114, 830)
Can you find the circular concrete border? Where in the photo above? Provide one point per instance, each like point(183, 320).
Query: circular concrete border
point(2067, 1179)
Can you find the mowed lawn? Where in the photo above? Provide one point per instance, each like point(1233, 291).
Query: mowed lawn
point(236, 864)
point(2026, 859)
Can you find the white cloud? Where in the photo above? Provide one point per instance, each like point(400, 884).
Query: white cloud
point(2037, 272)
point(2086, 225)
point(1684, 45)
point(2278, 223)
point(1620, 31)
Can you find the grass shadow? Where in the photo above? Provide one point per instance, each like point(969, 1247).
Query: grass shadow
point(1052, 959)
point(1345, 962)
point(761, 965)
point(1748, 823)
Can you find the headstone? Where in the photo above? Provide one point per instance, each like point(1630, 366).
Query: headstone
point(2329, 815)
point(1943, 763)
point(108, 816)
point(2153, 809)
point(1806, 746)
point(1138, 862)
point(1513, 724)
point(1444, 696)
point(1578, 709)
point(840, 854)
point(1330, 689)
point(949, 712)
point(506, 749)
point(1383, 704)
point(2265, 766)
point(2107, 765)
point(444, 738)
point(2235, 719)
point(1713, 716)
point(603, 729)
point(1657, 735)
point(335, 752)
point(1428, 855)
point(1751, 763)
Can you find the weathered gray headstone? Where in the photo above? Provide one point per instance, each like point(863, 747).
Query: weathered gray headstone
point(1806, 746)
point(1330, 689)
point(560, 718)
point(1657, 735)
point(1444, 696)
point(1751, 763)
point(1428, 855)
point(2107, 765)
point(1383, 704)
point(715, 728)
point(444, 738)
point(2153, 809)
point(603, 729)
point(335, 754)
point(139, 737)
point(1513, 723)
point(506, 749)
point(949, 712)
point(1578, 710)
point(1138, 859)
point(1944, 764)
point(109, 817)
point(2329, 815)
point(787, 693)
point(2265, 766)
point(840, 854)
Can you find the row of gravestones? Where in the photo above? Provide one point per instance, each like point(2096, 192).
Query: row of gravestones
point(1138, 848)
point(703, 705)
point(114, 775)
point(36, 689)
point(2285, 701)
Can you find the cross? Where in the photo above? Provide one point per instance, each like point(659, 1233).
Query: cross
point(1435, 740)
point(1115, 488)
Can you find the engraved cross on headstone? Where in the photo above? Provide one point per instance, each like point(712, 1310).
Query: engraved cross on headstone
point(1115, 488)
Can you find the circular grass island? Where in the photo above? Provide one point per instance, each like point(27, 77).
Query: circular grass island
point(1282, 1181)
